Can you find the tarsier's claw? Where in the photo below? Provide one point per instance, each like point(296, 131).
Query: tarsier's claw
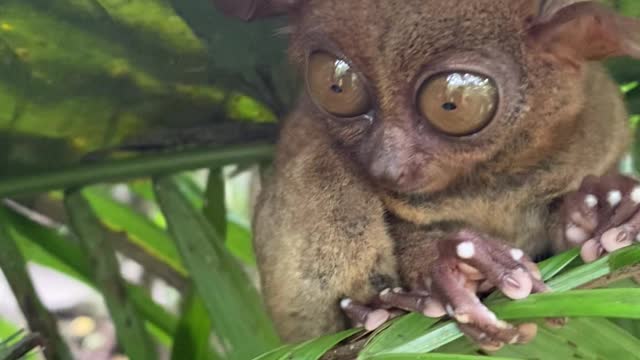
point(362, 315)
point(603, 215)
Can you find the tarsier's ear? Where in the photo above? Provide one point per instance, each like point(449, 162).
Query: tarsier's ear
point(585, 30)
point(248, 10)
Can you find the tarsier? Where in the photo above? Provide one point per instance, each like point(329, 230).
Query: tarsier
point(439, 147)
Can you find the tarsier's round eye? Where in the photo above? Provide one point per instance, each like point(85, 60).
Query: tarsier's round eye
point(458, 103)
point(335, 87)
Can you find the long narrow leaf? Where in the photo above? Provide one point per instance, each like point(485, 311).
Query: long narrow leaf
point(129, 325)
point(48, 248)
point(116, 170)
point(215, 209)
point(142, 232)
point(313, 350)
point(233, 304)
point(410, 327)
point(581, 338)
point(40, 320)
point(193, 333)
point(277, 353)
point(435, 357)
point(612, 303)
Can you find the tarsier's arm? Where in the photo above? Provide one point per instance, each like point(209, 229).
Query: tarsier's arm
point(320, 236)
point(428, 150)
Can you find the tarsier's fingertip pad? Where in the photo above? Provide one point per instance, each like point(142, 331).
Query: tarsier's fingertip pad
point(434, 310)
point(527, 332)
point(591, 251)
point(375, 319)
point(616, 239)
point(517, 285)
point(575, 234)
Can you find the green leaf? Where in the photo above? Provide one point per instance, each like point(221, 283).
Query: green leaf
point(50, 248)
point(434, 357)
point(589, 272)
point(234, 306)
point(613, 303)
point(401, 331)
point(7, 330)
point(215, 209)
point(193, 332)
point(239, 242)
point(129, 326)
point(140, 230)
point(88, 173)
point(276, 354)
point(237, 234)
point(313, 350)
point(580, 338)
point(553, 266)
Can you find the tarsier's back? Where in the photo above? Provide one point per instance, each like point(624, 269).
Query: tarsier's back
point(433, 149)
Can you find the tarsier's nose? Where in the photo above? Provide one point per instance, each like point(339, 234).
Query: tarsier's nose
point(392, 162)
point(393, 173)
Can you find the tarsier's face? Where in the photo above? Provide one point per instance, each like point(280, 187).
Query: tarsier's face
point(422, 92)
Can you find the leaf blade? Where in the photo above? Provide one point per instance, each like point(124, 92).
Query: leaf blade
point(233, 304)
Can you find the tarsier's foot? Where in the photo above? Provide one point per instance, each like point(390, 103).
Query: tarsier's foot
point(468, 263)
point(603, 215)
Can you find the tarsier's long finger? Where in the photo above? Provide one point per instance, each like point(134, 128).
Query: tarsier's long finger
point(361, 315)
point(412, 302)
point(623, 198)
point(623, 235)
point(501, 265)
point(448, 287)
point(581, 211)
point(581, 214)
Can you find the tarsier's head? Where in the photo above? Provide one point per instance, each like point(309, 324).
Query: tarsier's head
point(422, 92)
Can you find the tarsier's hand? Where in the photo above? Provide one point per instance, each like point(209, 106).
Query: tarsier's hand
point(603, 215)
point(468, 263)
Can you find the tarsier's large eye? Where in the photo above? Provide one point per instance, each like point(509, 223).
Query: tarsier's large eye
point(335, 87)
point(458, 103)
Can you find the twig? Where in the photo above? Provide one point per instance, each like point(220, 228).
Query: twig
point(25, 346)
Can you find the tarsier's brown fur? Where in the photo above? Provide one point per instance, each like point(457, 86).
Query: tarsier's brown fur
point(324, 230)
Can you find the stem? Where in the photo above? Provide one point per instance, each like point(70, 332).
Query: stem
point(117, 170)
point(39, 319)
